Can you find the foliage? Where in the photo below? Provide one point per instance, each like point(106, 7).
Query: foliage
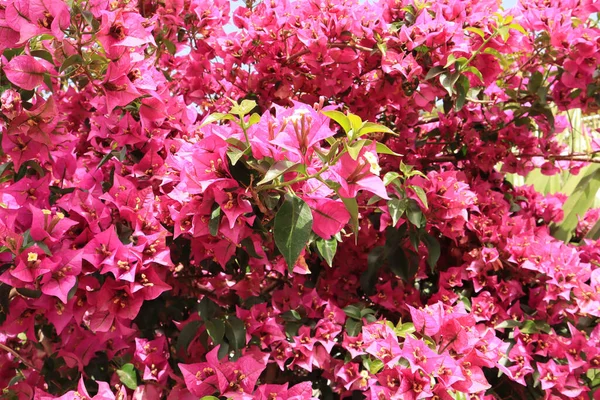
point(315, 205)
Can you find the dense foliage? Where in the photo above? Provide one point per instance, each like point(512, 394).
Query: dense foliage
point(314, 204)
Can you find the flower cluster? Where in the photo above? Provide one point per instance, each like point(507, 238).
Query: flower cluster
point(311, 205)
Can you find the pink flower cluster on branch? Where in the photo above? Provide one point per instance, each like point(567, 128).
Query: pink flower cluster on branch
point(311, 206)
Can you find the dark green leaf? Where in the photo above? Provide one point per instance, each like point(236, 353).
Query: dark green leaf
point(30, 293)
point(235, 331)
point(187, 334)
point(353, 326)
point(353, 312)
point(433, 72)
point(399, 264)
point(414, 214)
point(216, 330)
point(375, 260)
point(292, 228)
point(352, 207)
point(207, 309)
point(433, 249)
point(535, 82)
point(43, 54)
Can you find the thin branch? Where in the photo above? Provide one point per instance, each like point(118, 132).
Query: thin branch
point(17, 355)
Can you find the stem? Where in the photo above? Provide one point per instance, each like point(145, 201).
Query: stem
point(17, 355)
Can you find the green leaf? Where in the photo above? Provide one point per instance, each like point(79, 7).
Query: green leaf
point(509, 323)
point(594, 233)
point(356, 123)
point(396, 208)
point(353, 311)
point(375, 260)
point(29, 293)
point(216, 330)
point(207, 309)
point(340, 118)
point(327, 249)
point(292, 228)
point(478, 31)
point(450, 61)
point(530, 327)
point(128, 376)
point(433, 249)
point(235, 154)
point(223, 351)
point(253, 120)
point(244, 108)
point(43, 54)
point(433, 72)
point(383, 149)
point(291, 316)
point(278, 169)
point(405, 329)
point(209, 398)
point(370, 127)
point(462, 88)
point(215, 220)
point(355, 148)
point(518, 27)
point(187, 334)
point(390, 177)
point(414, 214)
point(399, 264)
point(420, 194)
point(373, 365)
point(75, 59)
point(353, 326)
point(214, 117)
point(535, 81)
point(504, 32)
point(474, 71)
point(578, 203)
point(448, 80)
point(235, 331)
point(170, 46)
point(352, 207)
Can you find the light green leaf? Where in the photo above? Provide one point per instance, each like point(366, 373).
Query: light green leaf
point(421, 194)
point(355, 148)
point(244, 108)
point(478, 31)
point(383, 149)
point(128, 376)
point(215, 220)
point(578, 203)
point(370, 127)
point(292, 228)
point(340, 118)
point(396, 208)
point(327, 249)
point(356, 123)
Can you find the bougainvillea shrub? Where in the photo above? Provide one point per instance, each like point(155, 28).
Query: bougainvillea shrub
point(297, 200)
